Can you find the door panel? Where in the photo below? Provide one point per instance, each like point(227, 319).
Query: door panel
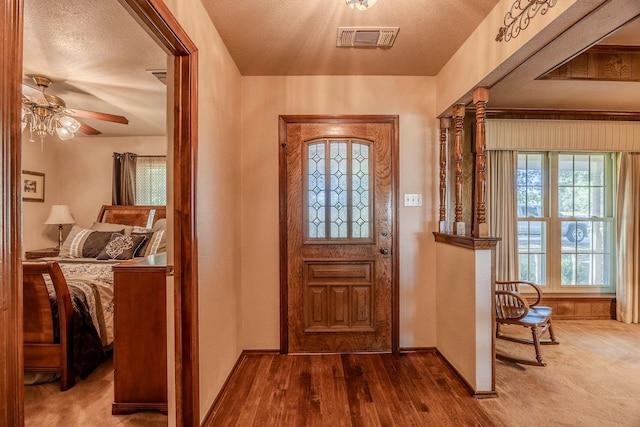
point(337, 245)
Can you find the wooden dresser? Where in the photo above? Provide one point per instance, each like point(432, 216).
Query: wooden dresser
point(140, 346)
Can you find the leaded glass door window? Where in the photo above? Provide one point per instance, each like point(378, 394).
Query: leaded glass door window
point(338, 191)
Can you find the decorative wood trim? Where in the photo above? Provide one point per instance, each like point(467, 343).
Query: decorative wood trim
point(600, 63)
point(519, 16)
point(445, 124)
point(11, 366)
point(405, 350)
point(480, 226)
point(458, 118)
point(349, 119)
point(581, 307)
point(395, 238)
point(475, 394)
point(468, 242)
point(157, 19)
point(542, 114)
point(284, 294)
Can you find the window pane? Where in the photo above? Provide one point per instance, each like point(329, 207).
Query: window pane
point(361, 196)
point(531, 233)
point(532, 249)
point(316, 190)
point(338, 188)
point(586, 253)
point(580, 170)
point(151, 180)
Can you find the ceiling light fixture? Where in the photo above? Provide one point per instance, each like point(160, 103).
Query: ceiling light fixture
point(360, 4)
point(48, 115)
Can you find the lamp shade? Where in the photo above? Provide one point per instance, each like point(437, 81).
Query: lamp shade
point(60, 215)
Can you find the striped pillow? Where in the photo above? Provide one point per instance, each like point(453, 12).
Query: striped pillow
point(85, 243)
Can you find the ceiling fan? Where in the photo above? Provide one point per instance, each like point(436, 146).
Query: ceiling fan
point(44, 113)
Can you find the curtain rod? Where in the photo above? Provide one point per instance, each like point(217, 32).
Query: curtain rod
point(138, 155)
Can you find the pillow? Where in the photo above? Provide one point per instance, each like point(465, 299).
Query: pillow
point(121, 246)
point(155, 244)
point(114, 228)
point(85, 243)
point(160, 224)
point(147, 238)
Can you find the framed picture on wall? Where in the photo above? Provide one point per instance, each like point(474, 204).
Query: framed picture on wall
point(32, 186)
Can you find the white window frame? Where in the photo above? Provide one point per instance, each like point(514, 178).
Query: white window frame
point(553, 221)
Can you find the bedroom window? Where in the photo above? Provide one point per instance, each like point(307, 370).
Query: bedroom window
point(566, 220)
point(151, 180)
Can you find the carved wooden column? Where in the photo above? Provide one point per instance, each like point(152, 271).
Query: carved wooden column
point(480, 228)
point(458, 118)
point(445, 124)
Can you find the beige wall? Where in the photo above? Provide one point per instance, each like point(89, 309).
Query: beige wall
point(40, 158)
point(464, 319)
point(263, 100)
point(85, 170)
point(78, 174)
point(481, 59)
point(218, 200)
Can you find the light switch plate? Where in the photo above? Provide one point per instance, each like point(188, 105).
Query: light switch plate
point(413, 199)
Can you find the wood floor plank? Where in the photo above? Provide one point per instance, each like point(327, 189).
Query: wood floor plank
point(349, 390)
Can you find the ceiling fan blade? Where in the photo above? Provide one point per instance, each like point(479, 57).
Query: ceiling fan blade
point(88, 130)
point(100, 116)
point(34, 95)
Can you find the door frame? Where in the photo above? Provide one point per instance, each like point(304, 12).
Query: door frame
point(285, 120)
point(159, 22)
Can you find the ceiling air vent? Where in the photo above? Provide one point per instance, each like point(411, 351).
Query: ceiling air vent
point(366, 36)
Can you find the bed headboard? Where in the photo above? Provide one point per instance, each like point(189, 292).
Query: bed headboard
point(143, 216)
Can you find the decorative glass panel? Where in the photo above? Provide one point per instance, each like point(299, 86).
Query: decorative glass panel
point(316, 196)
point(338, 190)
point(360, 186)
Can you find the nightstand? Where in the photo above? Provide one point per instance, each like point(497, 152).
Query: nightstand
point(41, 253)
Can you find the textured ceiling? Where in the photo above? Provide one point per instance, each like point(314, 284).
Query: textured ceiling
point(295, 37)
point(97, 57)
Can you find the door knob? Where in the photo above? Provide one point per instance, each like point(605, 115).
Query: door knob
point(384, 251)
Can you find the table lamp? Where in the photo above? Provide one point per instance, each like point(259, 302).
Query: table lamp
point(60, 215)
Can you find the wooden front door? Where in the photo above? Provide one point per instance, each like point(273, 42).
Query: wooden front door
point(338, 233)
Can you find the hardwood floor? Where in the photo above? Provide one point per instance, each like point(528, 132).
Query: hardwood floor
point(88, 403)
point(415, 389)
point(591, 379)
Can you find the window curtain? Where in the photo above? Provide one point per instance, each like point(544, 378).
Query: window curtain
point(628, 228)
point(503, 211)
point(124, 179)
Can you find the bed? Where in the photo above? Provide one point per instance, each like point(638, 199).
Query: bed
point(68, 300)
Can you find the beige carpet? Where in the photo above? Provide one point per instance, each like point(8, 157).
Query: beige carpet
point(591, 379)
point(86, 404)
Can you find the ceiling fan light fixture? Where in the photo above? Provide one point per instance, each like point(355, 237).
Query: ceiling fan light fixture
point(64, 133)
point(69, 123)
point(360, 4)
